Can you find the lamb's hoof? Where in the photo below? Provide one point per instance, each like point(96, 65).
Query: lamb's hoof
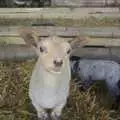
point(116, 103)
point(55, 117)
point(115, 106)
point(43, 117)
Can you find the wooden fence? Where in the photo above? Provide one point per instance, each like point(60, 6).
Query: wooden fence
point(86, 3)
point(63, 13)
point(104, 41)
point(68, 3)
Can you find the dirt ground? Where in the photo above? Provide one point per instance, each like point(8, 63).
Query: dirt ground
point(15, 104)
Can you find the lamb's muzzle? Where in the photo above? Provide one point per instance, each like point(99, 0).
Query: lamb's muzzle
point(58, 63)
point(49, 84)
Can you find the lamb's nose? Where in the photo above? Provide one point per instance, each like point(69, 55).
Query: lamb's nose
point(58, 63)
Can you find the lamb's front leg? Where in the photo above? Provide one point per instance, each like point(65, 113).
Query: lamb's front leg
point(41, 113)
point(55, 115)
point(114, 92)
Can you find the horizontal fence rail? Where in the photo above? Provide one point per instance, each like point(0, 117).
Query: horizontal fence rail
point(112, 53)
point(16, 52)
point(99, 36)
point(86, 3)
point(61, 3)
point(100, 42)
point(109, 32)
point(24, 52)
point(53, 13)
point(104, 42)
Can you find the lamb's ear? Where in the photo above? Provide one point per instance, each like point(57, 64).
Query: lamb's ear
point(29, 36)
point(79, 41)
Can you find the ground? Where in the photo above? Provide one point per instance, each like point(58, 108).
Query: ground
point(15, 104)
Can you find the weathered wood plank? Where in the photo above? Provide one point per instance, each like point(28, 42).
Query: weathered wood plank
point(81, 3)
point(113, 32)
point(23, 52)
point(16, 52)
point(11, 40)
point(65, 13)
point(110, 36)
point(115, 53)
point(110, 32)
point(85, 3)
point(99, 53)
point(92, 52)
point(104, 42)
point(20, 10)
point(58, 10)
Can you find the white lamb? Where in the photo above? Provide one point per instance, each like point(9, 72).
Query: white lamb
point(92, 70)
point(49, 84)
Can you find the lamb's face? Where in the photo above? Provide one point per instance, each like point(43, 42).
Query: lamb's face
point(53, 52)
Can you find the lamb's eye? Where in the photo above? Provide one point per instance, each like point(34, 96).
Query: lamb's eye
point(42, 49)
point(68, 51)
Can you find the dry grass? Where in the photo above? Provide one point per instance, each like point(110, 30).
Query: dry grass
point(15, 103)
point(87, 22)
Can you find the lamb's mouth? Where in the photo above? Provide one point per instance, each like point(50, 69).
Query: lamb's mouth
point(54, 70)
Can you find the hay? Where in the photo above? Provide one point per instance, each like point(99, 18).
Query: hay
point(15, 103)
point(84, 22)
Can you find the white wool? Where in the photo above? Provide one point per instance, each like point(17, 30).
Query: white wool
point(49, 84)
point(49, 89)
